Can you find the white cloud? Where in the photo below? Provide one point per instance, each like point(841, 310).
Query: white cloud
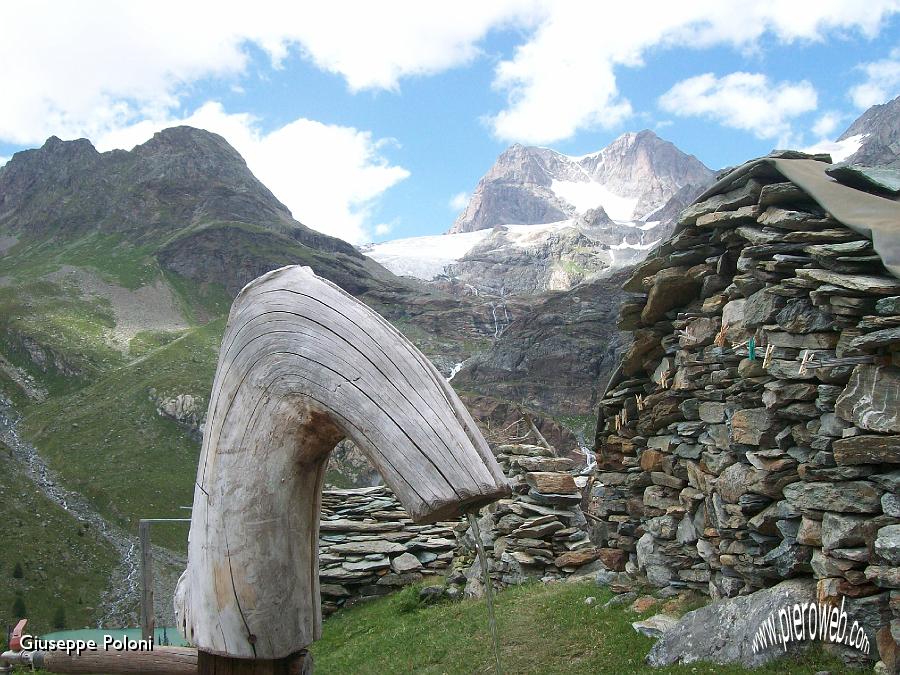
point(71, 74)
point(81, 69)
point(564, 77)
point(882, 81)
point(3, 160)
point(458, 201)
point(329, 176)
point(116, 71)
point(827, 124)
point(382, 229)
point(746, 101)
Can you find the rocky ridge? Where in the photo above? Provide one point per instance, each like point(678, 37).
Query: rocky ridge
point(879, 136)
point(635, 175)
point(752, 433)
point(557, 353)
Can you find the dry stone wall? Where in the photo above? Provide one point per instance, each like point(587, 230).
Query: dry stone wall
point(540, 532)
point(369, 546)
point(752, 432)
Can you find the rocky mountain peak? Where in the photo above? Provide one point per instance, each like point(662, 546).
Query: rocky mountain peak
point(204, 150)
point(60, 148)
point(633, 176)
point(878, 132)
point(182, 175)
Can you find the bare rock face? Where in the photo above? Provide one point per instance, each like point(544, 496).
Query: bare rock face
point(519, 188)
point(557, 353)
point(881, 136)
point(503, 264)
point(699, 635)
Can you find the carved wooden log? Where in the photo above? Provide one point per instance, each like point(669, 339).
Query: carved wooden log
point(302, 366)
point(160, 661)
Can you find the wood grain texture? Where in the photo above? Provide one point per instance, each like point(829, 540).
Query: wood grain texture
point(161, 661)
point(302, 366)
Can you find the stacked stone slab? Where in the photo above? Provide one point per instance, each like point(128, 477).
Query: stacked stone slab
point(752, 433)
point(369, 546)
point(541, 531)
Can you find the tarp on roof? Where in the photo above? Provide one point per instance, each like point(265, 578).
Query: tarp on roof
point(875, 217)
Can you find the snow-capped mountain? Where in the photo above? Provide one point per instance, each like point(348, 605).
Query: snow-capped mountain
point(541, 220)
point(630, 178)
point(872, 140)
point(878, 131)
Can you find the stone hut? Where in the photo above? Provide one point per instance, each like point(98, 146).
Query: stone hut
point(751, 432)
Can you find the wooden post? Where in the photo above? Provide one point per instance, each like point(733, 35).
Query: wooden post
point(302, 366)
point(148, 617)
point(297, 664)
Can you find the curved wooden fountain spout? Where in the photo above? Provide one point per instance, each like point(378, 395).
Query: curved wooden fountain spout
point(303, 365)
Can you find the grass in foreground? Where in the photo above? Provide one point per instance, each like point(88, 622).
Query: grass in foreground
point(543, 629)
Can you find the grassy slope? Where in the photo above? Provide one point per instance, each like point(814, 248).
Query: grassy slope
point(63, 564)
point(107, 441)
point(543, 629)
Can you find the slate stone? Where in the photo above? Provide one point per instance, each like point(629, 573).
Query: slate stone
point(890, 504)
point(810, 532)
point(365, 547)
point(672, 287)
point(547, 482)
point(405, 562)
point(857, 282)
point(800, 316)
point(701, 331)
point(545, 463)
point(871, 399)
point(886, 550)
point(781, 392)
point(577, 558)
point(789, 559)
point(751, 426)
point(885, 576)
point(868, 449)
point(846, 497)
point(788, 219)
point(888, 306)
point(841, 530)
point(743, 215)
point(734, 481)
point(698, 635)
point(761, 308)
point(804, 341)
point(367, 565)
point(776, 194)
point(656, 626)
point(751, 368)
point(876, 339)
point(712, 412)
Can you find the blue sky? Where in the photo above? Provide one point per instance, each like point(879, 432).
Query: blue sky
point(368, 119)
